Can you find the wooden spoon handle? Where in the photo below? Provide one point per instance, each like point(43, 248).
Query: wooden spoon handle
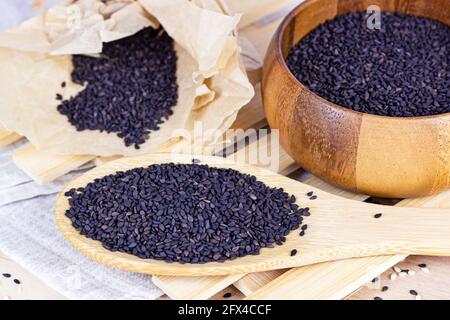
point(381, 229)
point(423, 231)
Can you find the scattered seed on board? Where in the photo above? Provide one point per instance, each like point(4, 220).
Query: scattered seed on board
point(377, 215)
point(422, 265)
point(413, 292)
point(59, 97)
point(375, 279)
point(384, 288)
point(305, 212)
point(293, 252)
point(63, 84)
point(309, 194)
point(377, 298)
point(302, 233)
point(313, 198)
point(6, 275)
point(16, 281)
point(304, 227)
point(227, 295)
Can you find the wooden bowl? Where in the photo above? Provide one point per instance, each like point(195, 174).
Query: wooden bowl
point(381, 156)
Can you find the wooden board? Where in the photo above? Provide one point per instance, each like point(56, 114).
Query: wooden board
point(42, 167)
point(254, 10)
point(29, 288)
point(262, 39)
point(431, 285)
point(7, 137)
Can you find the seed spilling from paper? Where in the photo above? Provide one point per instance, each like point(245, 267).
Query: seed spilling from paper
point(187, 213)
point(130, 89)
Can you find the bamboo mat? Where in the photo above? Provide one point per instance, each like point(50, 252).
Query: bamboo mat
point(333, 280)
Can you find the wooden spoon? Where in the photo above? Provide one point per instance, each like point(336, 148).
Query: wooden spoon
point(337, 228)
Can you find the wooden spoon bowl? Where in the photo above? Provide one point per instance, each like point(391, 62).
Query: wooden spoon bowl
point(337, 228)
point(376, 155)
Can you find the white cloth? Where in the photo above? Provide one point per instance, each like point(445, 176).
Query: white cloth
point(29, 236)
point(13, 12)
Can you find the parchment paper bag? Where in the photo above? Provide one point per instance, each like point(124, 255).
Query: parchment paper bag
point(35, 59)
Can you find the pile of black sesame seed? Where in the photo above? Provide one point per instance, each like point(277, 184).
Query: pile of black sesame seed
point(403, 69)
point(187, 213)
point(131, 88)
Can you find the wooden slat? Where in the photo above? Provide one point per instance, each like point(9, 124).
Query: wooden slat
point(254, 10)
point(338, 279)
point(31, 287)
point(42, 167)
point(193, 288)
point(7, 137)
point(432, 285)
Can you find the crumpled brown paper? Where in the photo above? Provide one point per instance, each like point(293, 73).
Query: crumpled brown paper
point(35, 59)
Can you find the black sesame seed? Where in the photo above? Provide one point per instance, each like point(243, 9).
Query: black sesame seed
point(401, 70)
point(227, 295)
point(305, 212)
point(304, 227)
point(302, 233)
point(293, 252)
point(385, 288)
point(16, 281)
point(185, 213)
point(313, 198)
point(309, 194)
point(63, 84)
point(377, 298)
point(6, 275)
point(130, 89)
point(422, 265)
point(413, 292)
point(378, 215)
point(59, 96)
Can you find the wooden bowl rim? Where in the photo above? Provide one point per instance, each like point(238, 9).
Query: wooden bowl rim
point(279, 57)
